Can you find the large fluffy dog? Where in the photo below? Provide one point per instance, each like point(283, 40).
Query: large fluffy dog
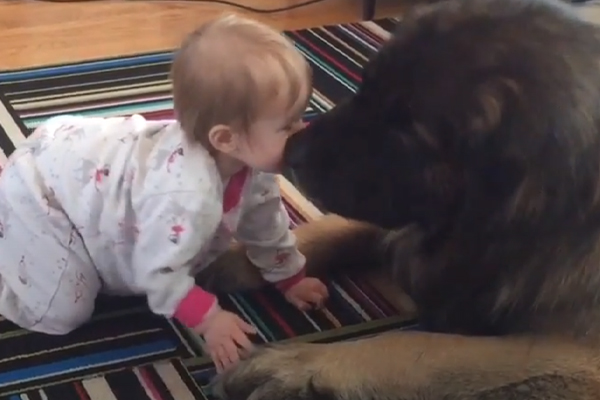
point(471, 156)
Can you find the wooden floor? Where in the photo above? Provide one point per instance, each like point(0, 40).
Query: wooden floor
point(34, 33)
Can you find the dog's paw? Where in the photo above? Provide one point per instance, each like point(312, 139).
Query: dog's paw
point(286, 372)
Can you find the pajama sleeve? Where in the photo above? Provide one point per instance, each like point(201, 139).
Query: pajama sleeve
point(264, 229)
point(173, 228)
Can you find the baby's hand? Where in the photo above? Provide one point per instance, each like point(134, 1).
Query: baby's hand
point(225, 335)
point(309, 292)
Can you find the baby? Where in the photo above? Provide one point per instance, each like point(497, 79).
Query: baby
point(128, 206)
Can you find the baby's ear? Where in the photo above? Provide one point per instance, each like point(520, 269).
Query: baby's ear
point(223, 139)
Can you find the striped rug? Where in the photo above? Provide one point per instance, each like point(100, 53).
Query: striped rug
point(125, 352)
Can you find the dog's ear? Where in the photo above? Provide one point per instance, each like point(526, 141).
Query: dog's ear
point(491, 133)
point(491, 105)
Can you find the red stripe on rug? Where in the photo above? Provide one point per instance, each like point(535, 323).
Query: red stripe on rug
point(282, 323)
point(325, 56)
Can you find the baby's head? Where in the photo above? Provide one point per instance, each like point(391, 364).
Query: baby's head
point(240, 89)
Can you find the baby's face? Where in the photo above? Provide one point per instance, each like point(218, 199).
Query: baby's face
point(263, 146)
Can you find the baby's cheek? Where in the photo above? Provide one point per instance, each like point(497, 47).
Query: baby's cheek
point(275, 149)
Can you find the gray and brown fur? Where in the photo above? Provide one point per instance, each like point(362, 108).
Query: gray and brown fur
point(471, 156)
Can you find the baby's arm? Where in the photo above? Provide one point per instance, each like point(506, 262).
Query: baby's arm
point(264, 229)
point(173, 228)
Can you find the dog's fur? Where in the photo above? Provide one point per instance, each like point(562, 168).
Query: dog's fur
point(471, 152)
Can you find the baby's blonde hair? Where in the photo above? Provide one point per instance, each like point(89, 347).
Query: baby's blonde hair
point(230, 70)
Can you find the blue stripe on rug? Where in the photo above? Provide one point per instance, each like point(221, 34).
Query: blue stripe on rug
point(84, 67)
point(84, 362)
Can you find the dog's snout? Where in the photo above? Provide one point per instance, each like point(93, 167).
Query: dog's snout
point(295, 151)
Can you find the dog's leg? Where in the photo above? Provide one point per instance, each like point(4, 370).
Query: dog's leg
point(383, 282)
point(417, 366)
point(329, 243)
point(399, 249)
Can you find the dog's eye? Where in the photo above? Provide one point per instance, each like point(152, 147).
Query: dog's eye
point(362, 96)
point(368, 87)
point(399, 115)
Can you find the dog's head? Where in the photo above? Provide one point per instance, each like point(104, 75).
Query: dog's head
point(484, 110)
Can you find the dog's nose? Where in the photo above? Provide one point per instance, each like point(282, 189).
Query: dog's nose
point(295, 151)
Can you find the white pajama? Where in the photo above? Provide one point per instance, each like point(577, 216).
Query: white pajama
point(124, 206)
